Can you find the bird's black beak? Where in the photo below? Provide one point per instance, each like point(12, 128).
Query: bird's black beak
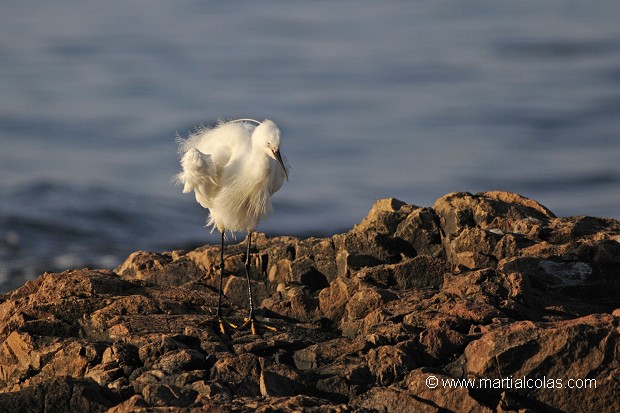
point(276, 153)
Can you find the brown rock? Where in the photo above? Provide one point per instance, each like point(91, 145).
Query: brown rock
point(181, 360)
point(280, 272)
point(366, 300)
point(327, 352)
point(135, 403)
point(570, 229)
point(73, 360)
point(454, 399)
point(371, 247)
point(575, 287)
point(421, 230)
point(392, 400)
point(352, 370)
point(160, 269)
point(384, 216)
point(61, 394)
point(278, 380)
point(80, 284)
point(294, 301)
point(105, 374)
point(578, 350)
point(240, 373)
point(487, 286)
point(519, 202)
point(472, 248)
point(212, 390)
point(321, 252)
point(419, 272)
point(389, 364)
point(441, 345)
point(236, 289)
point(474, 312)
point(333, 300)
point(305, 271)
point(505, 211)
point(153, 350)
point(167, 395)
point(21, 355)
point(299, 403)
point(348, 263)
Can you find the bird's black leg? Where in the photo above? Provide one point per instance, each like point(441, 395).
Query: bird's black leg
point(247, 273)
point(221, 321)
point(219, 301)
point(251, 321)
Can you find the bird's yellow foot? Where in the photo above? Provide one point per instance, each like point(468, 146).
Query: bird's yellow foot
point(252, 323)
point(222, 323)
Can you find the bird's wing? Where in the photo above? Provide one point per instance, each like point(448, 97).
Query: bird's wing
point(198, 174)
point(206, 155)
point(224, 142)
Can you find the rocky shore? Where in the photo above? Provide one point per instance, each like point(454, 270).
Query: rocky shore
point(490, 288)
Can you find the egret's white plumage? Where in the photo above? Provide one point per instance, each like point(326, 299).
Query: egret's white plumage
point(233, 169)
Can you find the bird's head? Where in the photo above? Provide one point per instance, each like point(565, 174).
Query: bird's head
point(267, 135)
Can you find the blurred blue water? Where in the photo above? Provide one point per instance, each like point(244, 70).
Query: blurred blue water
point(411, 100)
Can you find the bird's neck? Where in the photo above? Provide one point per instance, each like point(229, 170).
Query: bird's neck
point(259, 163)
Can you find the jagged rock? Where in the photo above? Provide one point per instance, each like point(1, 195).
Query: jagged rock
point(277, 380)
point(236, 288)
point(322, 253)
point(388, 364)
point(472, 248)
point(161, 269)
point(418, 272)
point(384, 216)
point(422, 231)
point(350, 373)
point(21, 353)
point(487, 286)
point(365, 300)
point(475, 226)
point(393, 400)
point(181, 360)
point(311, 357)
point(72, 360)
point(368, 248)
point(240, 373)
point(167, 395)
point(456, 399)
point(64, 394)
point(294, 301)
point(333, 299)
point(441, 344)
point(508, 212)
point(584, 350)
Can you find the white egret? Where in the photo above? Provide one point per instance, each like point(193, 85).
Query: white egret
point(233, 169)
